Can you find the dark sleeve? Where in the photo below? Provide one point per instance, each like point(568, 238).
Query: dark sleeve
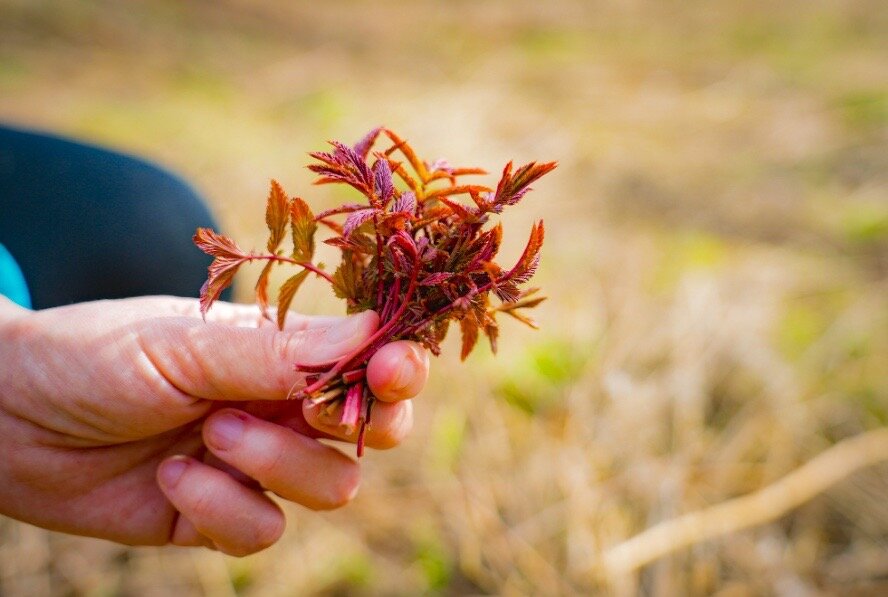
point(86, 223)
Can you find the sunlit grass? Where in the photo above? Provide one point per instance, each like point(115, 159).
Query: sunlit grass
point(716, 265)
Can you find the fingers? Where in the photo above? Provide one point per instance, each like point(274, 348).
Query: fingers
point(185, 534)
point(398, 371)
point(237, 520)
point(297, 468)
point(223, 362)
point(390, 422)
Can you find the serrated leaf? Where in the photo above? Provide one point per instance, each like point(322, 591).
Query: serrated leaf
point(262, 288)
point(382, 180)
point(347, 278)
point(460, 210)
point(362, 147)
point(469, 329)
point(530, 257)
point(286, 294)
point(220, 275)
point(227, 258)
point(404, 147)
point(523, 319)
point(217, 245)
point(435, 279)
point(406, 203)
point(457, 190)
point(491, 330)
point(440, 330)
point(276, 215)
point(507, 292)
point(304, 226)
point(355, 219)
point(512, 187)
point(398, 169)
point(489, 243)
point(524, 303)
point(342, 209)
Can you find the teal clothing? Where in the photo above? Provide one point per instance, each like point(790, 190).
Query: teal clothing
point(12, 282)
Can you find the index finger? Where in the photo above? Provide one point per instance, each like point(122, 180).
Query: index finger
point(223, 362)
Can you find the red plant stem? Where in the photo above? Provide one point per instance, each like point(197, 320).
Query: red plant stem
point(354, 376)
point(390, 302)
point(379, 283)
point(417, 326)
point(380, 333)
point(319, 368)
point(407, 330)
point(367, 400)
point(304, 264)
point(351, 410)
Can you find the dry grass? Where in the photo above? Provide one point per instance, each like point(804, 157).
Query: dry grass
point(717, 265)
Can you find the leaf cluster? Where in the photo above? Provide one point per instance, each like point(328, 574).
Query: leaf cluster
point(418, 248)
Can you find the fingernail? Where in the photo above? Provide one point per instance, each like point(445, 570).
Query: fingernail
point(407, 369)
point(171, 471)
point(225, 431)
point(404, 375)
point(346, 330)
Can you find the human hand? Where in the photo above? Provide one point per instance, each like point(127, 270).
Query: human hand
point(133, 420)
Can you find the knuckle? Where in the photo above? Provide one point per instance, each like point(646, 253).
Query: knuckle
point(282, 347)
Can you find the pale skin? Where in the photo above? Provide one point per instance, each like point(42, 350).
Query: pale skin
point(135, 421)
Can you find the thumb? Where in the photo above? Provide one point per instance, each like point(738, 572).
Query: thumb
point(221, 362)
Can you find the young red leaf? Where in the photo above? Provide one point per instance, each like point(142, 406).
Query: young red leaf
point(276, 216)
point(527, 264)
point(428, 259)
point(217, 245)
point(458, 190)
point(262, 288)
point(347, 280)
point(406, 203)
point(435, 279)
point(227, 257)
point(491, 330)
point(382, 180)
point(362, 147)
point(399, 169)
point(342, 209)
point(460, 210)
point(523, 319)
point(512, 187)
point(469, 329)
point(304, 226)
point(221, 274)
point(404, 148)
point(286, 294)
point(355, 219)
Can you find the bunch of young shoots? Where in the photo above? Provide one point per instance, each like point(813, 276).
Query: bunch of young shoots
point(418, 249)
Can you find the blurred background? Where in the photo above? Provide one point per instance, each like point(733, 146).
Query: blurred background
point(716, 262)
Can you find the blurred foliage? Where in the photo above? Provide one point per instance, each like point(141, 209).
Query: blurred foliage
point(717, 267)
point(535, 381)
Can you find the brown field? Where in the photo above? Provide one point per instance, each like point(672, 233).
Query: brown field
point(714, 353)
